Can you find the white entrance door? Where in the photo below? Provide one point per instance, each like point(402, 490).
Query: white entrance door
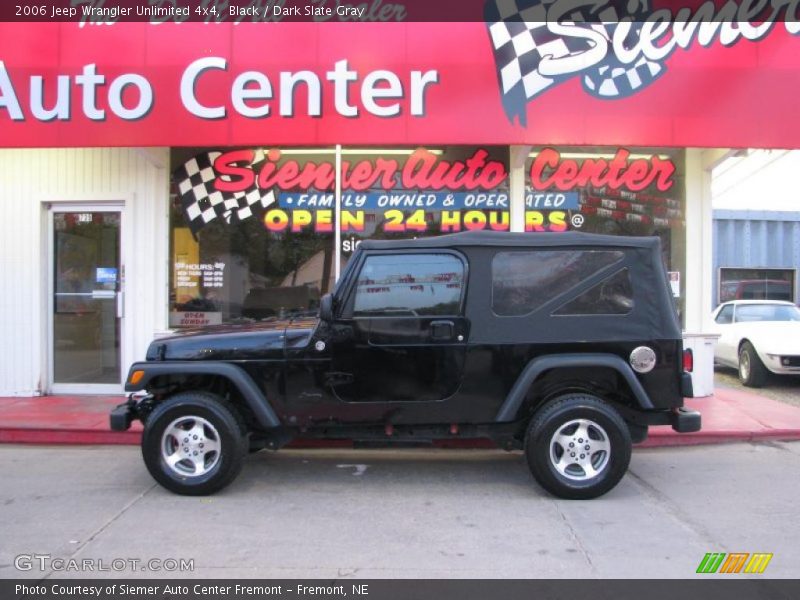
point(86, 291)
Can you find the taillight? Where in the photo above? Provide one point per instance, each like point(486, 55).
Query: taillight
point(688, 360)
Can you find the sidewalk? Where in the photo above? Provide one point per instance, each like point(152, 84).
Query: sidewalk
point(728, 416)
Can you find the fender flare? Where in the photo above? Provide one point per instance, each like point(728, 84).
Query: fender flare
point(252, 395)
point(532, 371)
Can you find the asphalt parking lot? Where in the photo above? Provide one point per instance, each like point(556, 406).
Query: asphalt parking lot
point(783, 388)
point(401, 513)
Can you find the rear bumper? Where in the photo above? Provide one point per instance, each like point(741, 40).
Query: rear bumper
point(686, 421)
point(681, 419)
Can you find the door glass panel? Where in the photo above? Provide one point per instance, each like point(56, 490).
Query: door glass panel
point(411, 285)
point(86, 346)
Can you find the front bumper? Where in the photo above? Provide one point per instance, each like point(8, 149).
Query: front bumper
point(123, 415)
point(775, 363)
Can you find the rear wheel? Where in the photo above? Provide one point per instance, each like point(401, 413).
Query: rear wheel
point(194, 443)
point(578, 446)
point(752, 371)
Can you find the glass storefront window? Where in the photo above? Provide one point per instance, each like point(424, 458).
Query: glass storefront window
point(239, 252)
point(611, 190)
point(252, 230)
point(423, 192)
point(756, 284)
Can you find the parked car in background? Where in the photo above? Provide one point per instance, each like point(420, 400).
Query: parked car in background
point(756, 289)
point(758, 337)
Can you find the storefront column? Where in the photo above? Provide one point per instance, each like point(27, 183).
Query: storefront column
point(516, 186)
point(337, 221)
point(699, 275)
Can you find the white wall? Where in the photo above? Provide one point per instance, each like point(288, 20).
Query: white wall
point(699, 220)
point(29, 181)
point(758, 180)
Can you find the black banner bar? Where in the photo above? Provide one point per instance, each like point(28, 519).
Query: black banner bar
point(100, 12)
point(727, 588)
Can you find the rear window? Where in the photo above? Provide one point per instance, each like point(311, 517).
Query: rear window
point(522, 282)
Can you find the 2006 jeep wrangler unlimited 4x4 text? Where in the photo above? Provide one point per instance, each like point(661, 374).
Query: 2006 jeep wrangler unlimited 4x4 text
point(566, 346)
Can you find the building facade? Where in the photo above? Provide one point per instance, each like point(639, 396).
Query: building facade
point(224, 173)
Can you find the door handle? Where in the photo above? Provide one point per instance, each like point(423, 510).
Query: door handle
point(120, 305)
point(442, 330)
point(334, 378)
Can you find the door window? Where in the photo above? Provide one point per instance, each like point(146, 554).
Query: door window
point(86, 285)
point(411, 285)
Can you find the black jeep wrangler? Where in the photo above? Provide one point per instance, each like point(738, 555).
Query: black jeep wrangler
point(566, 346)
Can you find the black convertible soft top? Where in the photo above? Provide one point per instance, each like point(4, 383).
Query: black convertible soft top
point(653, 316)
point(504, 238)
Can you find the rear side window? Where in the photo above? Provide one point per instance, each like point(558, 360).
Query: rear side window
point(522, 282)
point(613, 296)
point(409, 285)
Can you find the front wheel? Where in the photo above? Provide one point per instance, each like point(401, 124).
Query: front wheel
point(752, 371)
point(578, 447)
point(194, 443)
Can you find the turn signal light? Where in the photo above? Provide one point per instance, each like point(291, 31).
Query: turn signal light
point(135, 377)
point(688, 360)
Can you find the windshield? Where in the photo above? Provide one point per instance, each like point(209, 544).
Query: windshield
point(766, 312)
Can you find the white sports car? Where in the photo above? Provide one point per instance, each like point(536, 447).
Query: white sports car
point(758, 336)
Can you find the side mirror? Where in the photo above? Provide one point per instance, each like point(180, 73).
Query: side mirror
point(326, 308)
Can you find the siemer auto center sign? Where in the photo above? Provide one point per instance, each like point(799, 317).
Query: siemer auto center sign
point(561, 72)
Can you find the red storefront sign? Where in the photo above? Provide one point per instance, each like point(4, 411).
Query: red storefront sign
point(382, 84)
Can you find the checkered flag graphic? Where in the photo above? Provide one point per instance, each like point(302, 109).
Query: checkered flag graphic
point(202, 203)
point(522, 39)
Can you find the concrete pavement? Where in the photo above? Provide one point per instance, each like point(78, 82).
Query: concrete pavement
point(393, 513)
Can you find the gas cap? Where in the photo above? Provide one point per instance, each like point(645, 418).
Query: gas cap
point(643, 359)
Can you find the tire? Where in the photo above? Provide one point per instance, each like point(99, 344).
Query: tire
point(583, 420)
point(210, 428)
point(752, 371)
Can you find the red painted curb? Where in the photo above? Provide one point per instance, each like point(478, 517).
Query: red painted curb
point(658, 440)
point(69, 436)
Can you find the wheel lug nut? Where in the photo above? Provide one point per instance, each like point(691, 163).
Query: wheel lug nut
point(195, 453)
point(582, 455)
point(202, 446)
point(571, 445)
point(580, 440)
point(587, 446)
point(195, 437)
point(572, 454)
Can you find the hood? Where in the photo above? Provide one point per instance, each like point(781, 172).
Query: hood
point(773, 337)
point(265, 340)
